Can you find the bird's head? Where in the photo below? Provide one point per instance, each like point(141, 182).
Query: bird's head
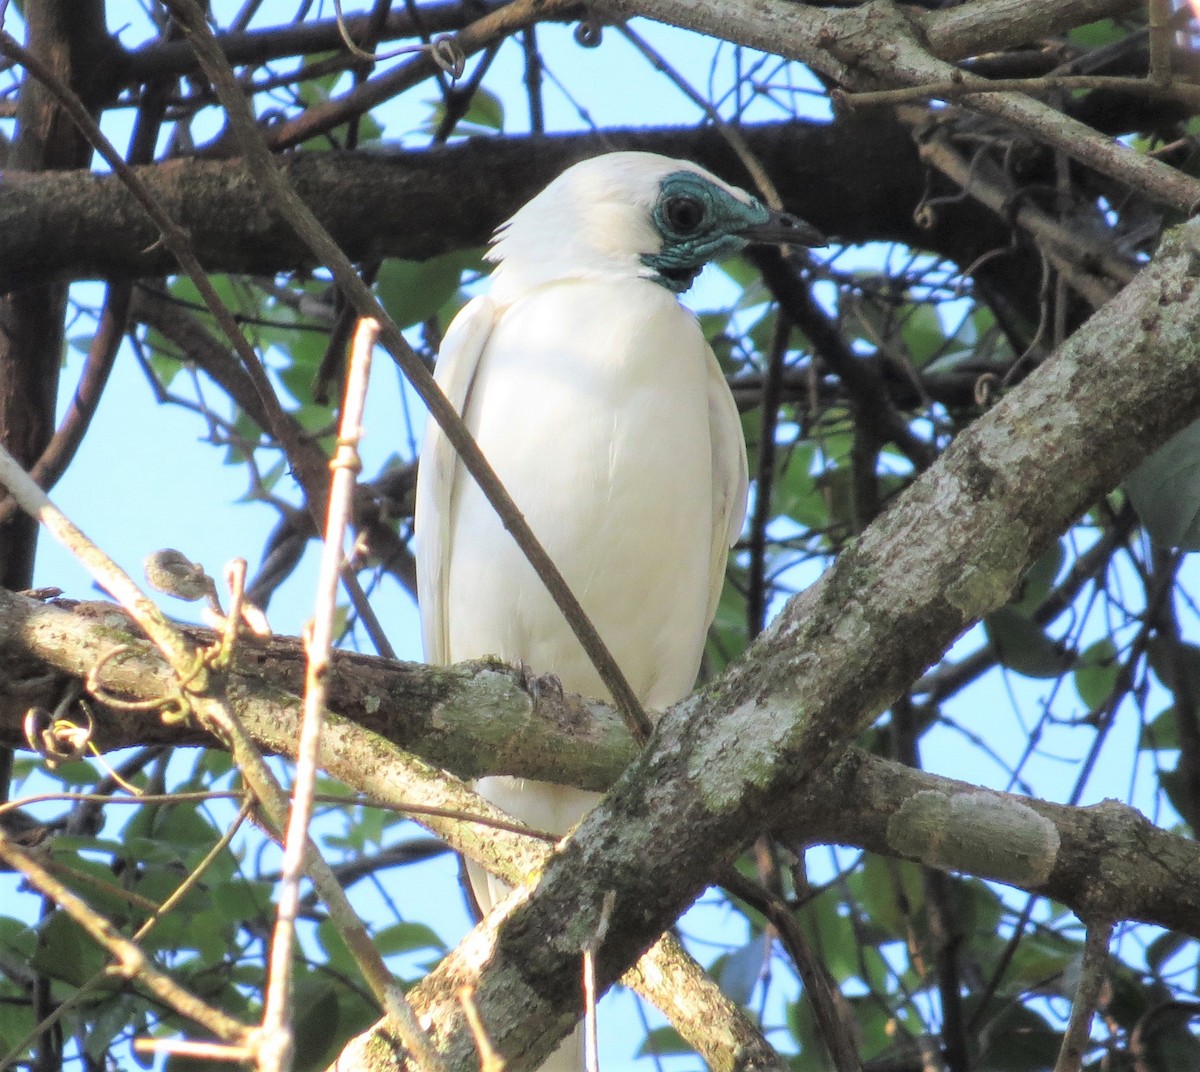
point(633, 214)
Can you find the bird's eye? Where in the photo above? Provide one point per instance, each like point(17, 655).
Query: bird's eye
point(684, 214)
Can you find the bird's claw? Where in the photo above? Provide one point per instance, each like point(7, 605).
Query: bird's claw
point(538, 685)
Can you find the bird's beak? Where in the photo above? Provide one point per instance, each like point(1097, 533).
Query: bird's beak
point(782, 229)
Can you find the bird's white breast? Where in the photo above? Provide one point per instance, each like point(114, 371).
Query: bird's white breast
point(591, 402)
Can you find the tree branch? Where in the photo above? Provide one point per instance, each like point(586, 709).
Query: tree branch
point(859, 178)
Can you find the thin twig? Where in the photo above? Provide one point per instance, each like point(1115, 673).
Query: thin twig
point(1047, 84)
point(101, 356)
point(1079, 257)
point(720, 1030)
point(201, 1051)
point(730, 132)
point(1159, 36)
point(172, 236)
point(1092, 975)
point(756, 591)
point(872, 44)
point(444, 56)
point(821, 990)
point(182, 655)
point(489, 1059)
point(276, 1044)
point(170, 59)
point(492, 27)
point(591, 1038)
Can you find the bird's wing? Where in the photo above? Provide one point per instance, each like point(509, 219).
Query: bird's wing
point(731, 480)
point(440, 469)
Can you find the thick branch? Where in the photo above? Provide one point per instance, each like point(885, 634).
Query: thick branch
point(994, 25)
point(860, 178)
point(472, 719)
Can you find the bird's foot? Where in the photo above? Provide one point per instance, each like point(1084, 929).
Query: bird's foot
point(538, 685)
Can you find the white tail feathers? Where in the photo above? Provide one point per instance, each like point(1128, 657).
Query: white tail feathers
point(543, 806)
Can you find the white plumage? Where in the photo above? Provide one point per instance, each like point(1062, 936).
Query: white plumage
point(603, 410)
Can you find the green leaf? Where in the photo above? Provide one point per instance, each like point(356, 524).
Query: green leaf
point(874, 1029)
point(1097, 34)
point(1165, 491)
point(833, 932)
point(407, 938)
point(413, 291)
point(315, 90)
point(107, 1021)
point(94, 882)
point(187, 830)
point(145, 850)
point(298, 372)
point(835, 485)
point(727, 635)
point(242, 900)
point(662, 1041)
point(923, 334)
point(835, 436)
point(76, 773)
point(1161, 733)
point(157, 884)
point(978, 909)
point(1178, 787)
point(1168, 659)
point(16, 1020)
point(713, 327)
point(740, 271)
point(1039, 958)
point(67, 953)
point(484, 115)
point(796, 494)
point(1038, 579)
point(316, 1021)
point(1097, 672)
point(1018, 1040)
point(1165, 946)
point(188, 927)
point(335, 949)
point(891, 893)
point(802, 1026)
point(762, 332)
point(1166, 1041)
point(487, 110)
point(1024, 647)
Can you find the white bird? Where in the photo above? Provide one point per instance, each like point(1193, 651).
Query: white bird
point(602, 408)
